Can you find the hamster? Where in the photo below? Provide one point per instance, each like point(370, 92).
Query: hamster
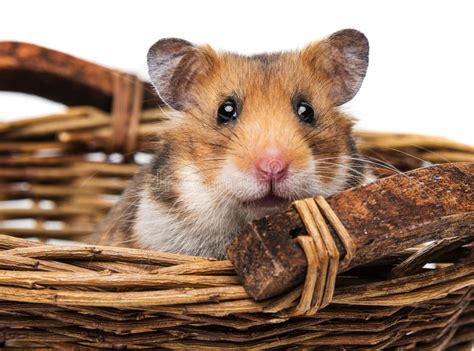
point(248, 135)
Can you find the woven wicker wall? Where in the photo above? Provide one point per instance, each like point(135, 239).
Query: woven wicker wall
point(60, 174)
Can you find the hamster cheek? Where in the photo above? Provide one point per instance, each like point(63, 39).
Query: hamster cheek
point(333, 174)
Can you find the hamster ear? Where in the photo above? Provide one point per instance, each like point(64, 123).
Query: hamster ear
point(175, 66)
point(342, 59)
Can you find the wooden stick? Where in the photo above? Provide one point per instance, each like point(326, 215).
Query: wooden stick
point(399, 140)
point(68, 233)
point(103, 252)
point(74, 119)
point(124, 299)
point(113, 280)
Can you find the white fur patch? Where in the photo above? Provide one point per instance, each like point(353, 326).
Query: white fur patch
point(241, 185)
point(151, 220)
point(340, 179)
point(201, 224)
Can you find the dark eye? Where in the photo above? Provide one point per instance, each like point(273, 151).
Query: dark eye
point(227, 112)
point(305, 112)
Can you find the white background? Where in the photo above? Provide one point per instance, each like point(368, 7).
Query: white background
point(421, 70)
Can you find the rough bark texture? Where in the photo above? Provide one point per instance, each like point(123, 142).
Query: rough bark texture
point(267, 258)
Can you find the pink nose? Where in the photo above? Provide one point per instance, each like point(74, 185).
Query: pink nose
point(271, 168)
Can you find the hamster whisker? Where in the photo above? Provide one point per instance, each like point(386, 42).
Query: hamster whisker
point(389, 167)
point(337, 165)
point(199, 171)
point(343, 181)
point(431, 152)
point(191, 163)
point(407, 154)
point(313, 135)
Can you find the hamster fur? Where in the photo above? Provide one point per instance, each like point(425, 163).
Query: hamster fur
point(248, 135)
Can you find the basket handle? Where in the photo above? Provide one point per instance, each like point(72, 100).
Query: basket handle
point(381, 218)
point(32, 69)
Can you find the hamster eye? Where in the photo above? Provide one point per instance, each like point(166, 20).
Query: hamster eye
point(305, 112)
point(227, 112)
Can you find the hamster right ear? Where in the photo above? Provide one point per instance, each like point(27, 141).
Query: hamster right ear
point(342, 60)
point(175, 66)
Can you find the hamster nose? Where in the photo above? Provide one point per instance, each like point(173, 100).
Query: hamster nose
point(271, 168)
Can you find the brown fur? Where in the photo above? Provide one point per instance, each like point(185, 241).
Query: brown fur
point(197, 80)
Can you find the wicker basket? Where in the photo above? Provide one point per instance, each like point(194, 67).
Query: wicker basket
point(59, 175)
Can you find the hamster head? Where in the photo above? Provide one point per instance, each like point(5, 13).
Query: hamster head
point(253, 133)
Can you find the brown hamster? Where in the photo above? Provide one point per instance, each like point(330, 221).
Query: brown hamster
point(250, 134)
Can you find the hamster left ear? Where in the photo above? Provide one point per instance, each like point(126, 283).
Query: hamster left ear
point(342, 60)
point(175, 67)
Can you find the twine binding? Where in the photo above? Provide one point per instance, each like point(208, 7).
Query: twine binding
point(126, 110)
point(321, 252)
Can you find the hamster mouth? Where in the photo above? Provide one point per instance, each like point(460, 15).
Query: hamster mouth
point(268, 201)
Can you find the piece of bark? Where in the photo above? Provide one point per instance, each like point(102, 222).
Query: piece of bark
point(405, 210)
point(384, 217)
point(266, 258)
